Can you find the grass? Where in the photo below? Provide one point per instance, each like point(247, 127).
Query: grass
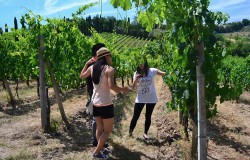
point(22, 154)
point(25, 92)
point(126, 147)
point(75, 143)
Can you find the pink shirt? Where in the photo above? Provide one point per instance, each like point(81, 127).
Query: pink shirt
point(102, 96)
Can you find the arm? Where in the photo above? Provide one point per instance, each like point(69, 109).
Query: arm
point(112, 84)
point(86, 73)
point(135, 81)
point(161, 73)
point(86, 66)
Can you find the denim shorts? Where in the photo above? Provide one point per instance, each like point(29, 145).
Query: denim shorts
point(105, 112)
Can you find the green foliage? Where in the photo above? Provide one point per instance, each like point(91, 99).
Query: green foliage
point(188, 23)
point(245, 22)
point(82, 9)
point(110, 24)
point(7, 50)
point(241, 49)
point(175, 52)
point(235, 73)
point(124, 4)
point(233, 27)
point(65, 46)
point(55, 126)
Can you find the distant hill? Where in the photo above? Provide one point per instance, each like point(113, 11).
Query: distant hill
point(246, 29)
point(242, 26)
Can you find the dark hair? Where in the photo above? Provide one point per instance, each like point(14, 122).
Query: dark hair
point(145, 70)
point(97, 69)
point(96, 47)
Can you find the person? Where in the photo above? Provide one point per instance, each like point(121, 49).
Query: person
point(90, 87)
point(103, 110)
point(146, 94)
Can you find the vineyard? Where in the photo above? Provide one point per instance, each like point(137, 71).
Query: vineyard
point(123, 42)
point(203, 76)
point(226, 132)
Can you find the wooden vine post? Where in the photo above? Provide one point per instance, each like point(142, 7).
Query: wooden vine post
point(42, 89)
point(201, 103)
point(56, 91)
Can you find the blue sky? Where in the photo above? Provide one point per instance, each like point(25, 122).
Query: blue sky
point(237, 9)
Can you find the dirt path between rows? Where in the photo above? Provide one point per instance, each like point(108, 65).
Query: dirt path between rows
point(21, 136)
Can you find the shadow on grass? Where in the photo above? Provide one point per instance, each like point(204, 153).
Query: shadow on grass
point(122, 153)
point(76, 139)
point(22, 107)
point(151, 141)
point(218, 134)
point(124, 102)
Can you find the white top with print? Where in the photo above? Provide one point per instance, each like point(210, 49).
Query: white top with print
point(146, 90)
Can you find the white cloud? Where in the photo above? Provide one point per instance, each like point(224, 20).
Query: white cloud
point(225, 3)
point(49, 3)
point(51, 8)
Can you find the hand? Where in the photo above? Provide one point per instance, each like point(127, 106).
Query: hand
point(125, 90)
point(91, 60)
point(138, 76)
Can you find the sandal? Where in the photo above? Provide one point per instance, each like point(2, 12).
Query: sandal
point(145, 136)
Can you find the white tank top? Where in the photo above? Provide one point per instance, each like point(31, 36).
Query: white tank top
point(102, 96)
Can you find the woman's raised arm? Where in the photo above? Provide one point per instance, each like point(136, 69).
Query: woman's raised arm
point(160, 73)
point(85, 74)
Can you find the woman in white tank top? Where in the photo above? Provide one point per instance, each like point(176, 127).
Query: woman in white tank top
point(103, 80)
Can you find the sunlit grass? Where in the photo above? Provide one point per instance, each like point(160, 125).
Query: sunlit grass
point(124, 146)
point(23, 154)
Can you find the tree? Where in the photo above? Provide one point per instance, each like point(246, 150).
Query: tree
point(96, 23)
point(6, 44)
point(111, 23)
point(245, 22)
point(15, 24)
point(89, 24)
point(22, 21)
point(6, 28)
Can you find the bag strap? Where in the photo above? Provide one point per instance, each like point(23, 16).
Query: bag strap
point(99, 82)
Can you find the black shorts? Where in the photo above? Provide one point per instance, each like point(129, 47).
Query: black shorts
point(105, 112)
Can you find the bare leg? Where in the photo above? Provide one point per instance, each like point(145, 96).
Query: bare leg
point(99, 127)
point(102, 135)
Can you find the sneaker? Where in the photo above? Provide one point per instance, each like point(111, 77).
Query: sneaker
point(107, 151)
point(106, 145)
point(100, 156)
